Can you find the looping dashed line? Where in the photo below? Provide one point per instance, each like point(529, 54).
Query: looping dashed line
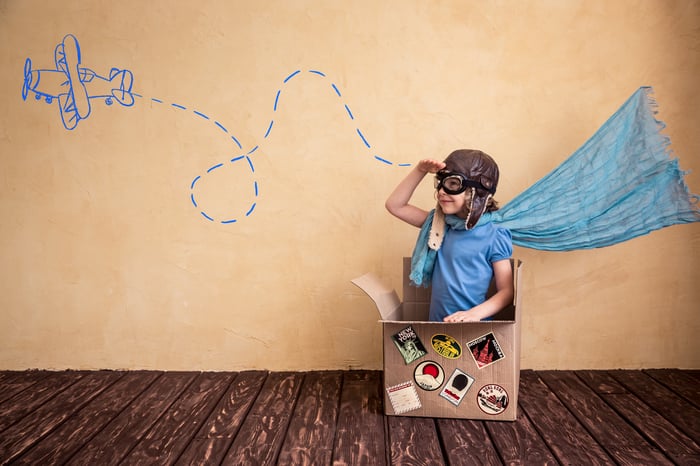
point(245, 157)
point(347, 110)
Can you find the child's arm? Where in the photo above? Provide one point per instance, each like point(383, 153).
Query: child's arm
point(503, 273)
point(397, 203)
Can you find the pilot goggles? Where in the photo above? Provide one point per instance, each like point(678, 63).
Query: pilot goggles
point(455, 183)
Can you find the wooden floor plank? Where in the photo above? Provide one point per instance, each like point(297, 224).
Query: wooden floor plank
point(618, 438)
point(520, 443)
point(216, 435)
point(169, 437)
point(467, 442)
point(259, 417)
point(601, 383)
point(260, 438)
point(309, 439)
point(16, 381)
point(21, 435)
point(674, 443)
point(676, 409)
point(117, 439)
point(34, 396)
point(561, 431)
point(682, 383)
point(361, 431)
point(414, 441)
point(78, 430)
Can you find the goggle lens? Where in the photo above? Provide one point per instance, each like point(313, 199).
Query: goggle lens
point(451, 183)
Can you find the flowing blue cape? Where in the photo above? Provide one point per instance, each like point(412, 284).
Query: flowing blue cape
point(622, 183)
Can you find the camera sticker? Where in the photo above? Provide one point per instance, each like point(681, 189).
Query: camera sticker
point(485, 350)
point(403, 397)
point(446, 346)
point(457, 386)
point(429, 375)
point(492, 399)
point(409, 345)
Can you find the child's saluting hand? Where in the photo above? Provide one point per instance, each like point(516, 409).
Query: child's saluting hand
point(430, 165)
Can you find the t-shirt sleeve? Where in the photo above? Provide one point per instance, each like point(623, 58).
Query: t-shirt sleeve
point(502, 245)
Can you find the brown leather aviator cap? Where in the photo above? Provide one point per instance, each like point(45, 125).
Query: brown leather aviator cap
point(480, 168)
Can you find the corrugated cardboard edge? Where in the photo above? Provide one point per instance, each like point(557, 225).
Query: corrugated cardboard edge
point(517, 282)
point(385, 298)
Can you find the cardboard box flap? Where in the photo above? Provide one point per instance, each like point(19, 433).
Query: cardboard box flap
point(385, 298)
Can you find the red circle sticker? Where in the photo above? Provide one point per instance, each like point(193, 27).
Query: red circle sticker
point(429, 375)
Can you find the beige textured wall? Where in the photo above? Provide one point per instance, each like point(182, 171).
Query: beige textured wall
point(107, 264)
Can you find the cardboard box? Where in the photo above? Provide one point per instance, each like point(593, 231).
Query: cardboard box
point(465, 370)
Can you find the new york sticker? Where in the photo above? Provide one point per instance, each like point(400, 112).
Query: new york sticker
point(409, 345)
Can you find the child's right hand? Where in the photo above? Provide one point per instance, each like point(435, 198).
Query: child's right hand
point(430, 165)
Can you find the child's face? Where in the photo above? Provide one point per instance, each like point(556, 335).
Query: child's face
point(455, 204)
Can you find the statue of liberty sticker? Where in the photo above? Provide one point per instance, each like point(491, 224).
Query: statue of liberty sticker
point(409, 345)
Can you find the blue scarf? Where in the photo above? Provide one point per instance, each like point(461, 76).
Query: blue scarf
point(424, 254)
point(619, 185)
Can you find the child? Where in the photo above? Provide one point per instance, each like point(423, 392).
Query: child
point(458, 252)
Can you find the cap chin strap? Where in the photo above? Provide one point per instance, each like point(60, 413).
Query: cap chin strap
point(470, 210)
point(475, 217)
point(437, 229)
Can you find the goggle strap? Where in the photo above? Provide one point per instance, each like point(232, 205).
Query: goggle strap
point(475, 184)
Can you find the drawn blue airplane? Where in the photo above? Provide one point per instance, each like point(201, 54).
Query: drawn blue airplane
point(74, 86)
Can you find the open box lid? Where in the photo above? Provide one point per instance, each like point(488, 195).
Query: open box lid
point(417, 299)
point(385, 298)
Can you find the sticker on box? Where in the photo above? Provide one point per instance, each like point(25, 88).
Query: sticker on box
point(409, 345)
point(485, 350)
point(460, 382)
point(403, 397)
point(446, 346)
point(492, 399)
point(429, 375)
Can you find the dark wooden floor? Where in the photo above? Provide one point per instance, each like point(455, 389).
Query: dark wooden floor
point(317, 418)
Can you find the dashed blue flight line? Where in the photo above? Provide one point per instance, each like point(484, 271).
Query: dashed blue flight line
point(74, 87)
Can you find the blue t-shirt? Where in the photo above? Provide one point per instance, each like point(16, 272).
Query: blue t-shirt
point(464, 267)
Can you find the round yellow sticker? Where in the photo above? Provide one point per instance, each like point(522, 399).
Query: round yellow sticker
point(446, 346)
